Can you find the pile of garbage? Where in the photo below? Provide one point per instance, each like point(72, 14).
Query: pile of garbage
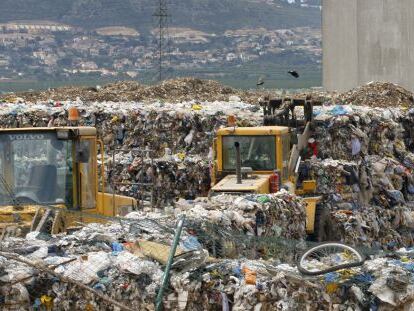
point(172, 142)
point(363, 166)
point(183, 127)
point(176, 90)
point(119, 266)
point(228, 225)
point(160, 181)
point(167, 147)
point(377, 94)
point(349, 132)
point(364, 170)
point(376, 227)
point(278, 215)
point(42, 270)
point(381, 284)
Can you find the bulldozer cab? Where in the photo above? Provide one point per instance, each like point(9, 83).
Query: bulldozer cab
point(48, 167)
point(54, 167)
point(262, 151)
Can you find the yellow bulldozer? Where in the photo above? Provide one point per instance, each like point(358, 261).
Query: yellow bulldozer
point(266, 158)
point(47, 173)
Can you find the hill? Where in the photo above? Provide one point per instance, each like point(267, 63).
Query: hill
point(206, 15)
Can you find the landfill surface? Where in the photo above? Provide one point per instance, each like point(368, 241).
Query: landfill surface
point(241, 250)
point(378, 94)
point(176, 90)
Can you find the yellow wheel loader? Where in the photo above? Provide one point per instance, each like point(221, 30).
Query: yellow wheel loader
point(253, 159)
point(45, 173)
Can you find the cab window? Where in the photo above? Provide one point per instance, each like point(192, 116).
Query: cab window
point(39, 168)
point(257, 152)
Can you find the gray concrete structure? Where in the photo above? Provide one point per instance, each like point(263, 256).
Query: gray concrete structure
point(367, 40)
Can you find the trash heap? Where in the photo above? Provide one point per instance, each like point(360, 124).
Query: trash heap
point(91, 257)
point(372, 202)
point(380, 284)
point(179, 138)
point(175, 90)
point(231, 226)
point(377, 94)
point(278, 215)
point(174, 140)
point(165, 178)
point(119, 266)
point(349, 132)
point(237, 226)
point(364, 169)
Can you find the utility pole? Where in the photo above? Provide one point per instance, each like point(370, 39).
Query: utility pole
point(162, 20)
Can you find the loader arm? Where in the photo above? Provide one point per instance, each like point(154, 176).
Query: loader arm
point(297, 149)
point(281, 112)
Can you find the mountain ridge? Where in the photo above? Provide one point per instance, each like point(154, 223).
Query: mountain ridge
point(205, 15)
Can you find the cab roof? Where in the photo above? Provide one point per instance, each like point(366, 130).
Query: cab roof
point(258, 130)
point(83, 130)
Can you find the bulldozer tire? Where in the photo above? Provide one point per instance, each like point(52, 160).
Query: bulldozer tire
point(324, 227)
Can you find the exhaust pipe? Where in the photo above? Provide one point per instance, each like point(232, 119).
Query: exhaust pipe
point(238, 162)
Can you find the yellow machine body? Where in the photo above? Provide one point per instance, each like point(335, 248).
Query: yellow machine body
point(62, 173)
point(258, 184)
point(278, 137)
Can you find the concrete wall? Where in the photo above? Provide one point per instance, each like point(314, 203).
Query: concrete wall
point(367, 40)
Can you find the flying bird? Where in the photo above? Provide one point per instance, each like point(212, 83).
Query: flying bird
point(260, 81)
point(293, 73)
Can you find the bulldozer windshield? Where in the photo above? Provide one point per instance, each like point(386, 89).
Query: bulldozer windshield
point(36, 168)
point(257, 152)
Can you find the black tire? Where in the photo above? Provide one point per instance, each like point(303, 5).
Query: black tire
point(359, 258)
point(324, 226)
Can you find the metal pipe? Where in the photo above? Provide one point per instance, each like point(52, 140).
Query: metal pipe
point(166, 275)
point(238, 162)
point(112, 182)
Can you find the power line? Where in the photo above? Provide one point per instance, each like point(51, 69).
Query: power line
point(162, 15)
